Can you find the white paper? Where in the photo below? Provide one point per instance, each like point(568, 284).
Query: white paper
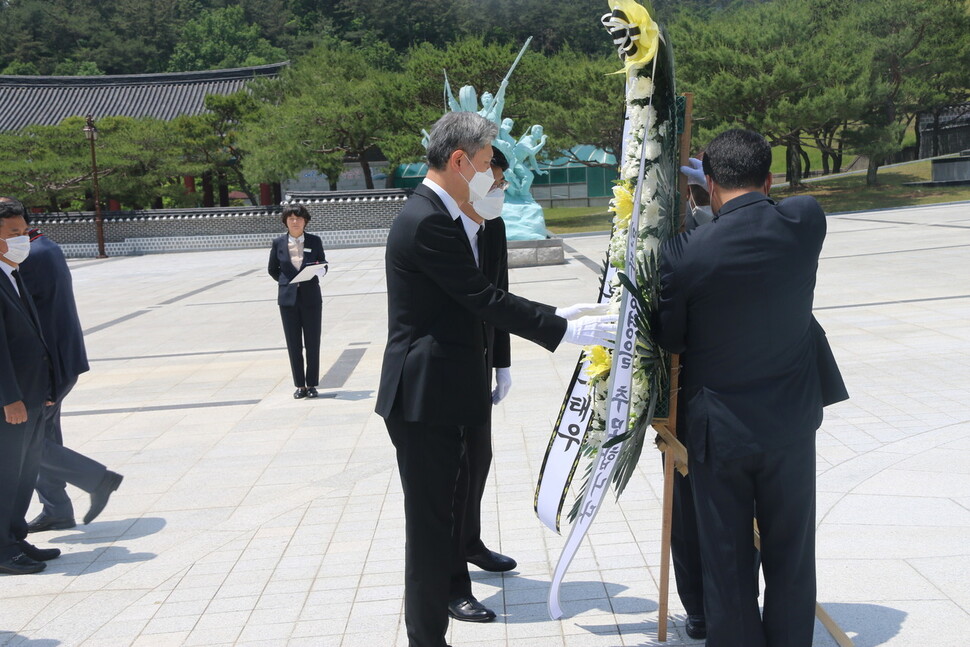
point(308, 272)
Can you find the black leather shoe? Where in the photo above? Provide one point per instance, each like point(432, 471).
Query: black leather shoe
point(39, 554)
point(492, 561)
point(300, 393)
point(696, 626)
point(42, 522)
point(99, 498)
point(20, 564)
point(468, 609)
point(311, 392)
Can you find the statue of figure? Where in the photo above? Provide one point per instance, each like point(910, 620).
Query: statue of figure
point(528, 145)
point(522, 214)
point(468, 98)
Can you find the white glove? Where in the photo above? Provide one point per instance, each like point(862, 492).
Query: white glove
point(592, 331)
point(503, 382)
point(695, 172)
point(582, 310)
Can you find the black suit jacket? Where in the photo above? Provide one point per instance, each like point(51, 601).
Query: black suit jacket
point(736, 296)
point(495, 267)
point(282, 270)
point(48, 279)
point(25, 369)
point(434, 363)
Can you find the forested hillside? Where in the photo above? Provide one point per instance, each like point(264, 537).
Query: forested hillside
point(70, 37)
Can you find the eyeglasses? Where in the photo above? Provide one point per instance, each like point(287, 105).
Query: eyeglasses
point(502, 184)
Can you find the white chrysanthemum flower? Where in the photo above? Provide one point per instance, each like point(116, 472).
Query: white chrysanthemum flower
point(640, 88)
point(650, 215)
point(647, 117)
point(652, 149)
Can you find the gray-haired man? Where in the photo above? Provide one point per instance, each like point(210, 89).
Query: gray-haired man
point(434, 383)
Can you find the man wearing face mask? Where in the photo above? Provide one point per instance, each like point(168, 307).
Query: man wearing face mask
point(698, 199)
point(434, 385)
point(736, 297)
point(26, 386)
point(486, 234)
point(48, 280)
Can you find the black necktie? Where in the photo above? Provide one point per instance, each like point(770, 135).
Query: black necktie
point(481, 247)
point(23, 295)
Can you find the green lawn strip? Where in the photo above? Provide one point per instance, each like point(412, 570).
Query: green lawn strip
point(848, 193)
point(852, 194)
point(568, 220)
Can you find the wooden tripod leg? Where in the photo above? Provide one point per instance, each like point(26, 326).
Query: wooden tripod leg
point(666, 523)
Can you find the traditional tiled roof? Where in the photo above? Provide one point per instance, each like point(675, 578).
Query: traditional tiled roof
point(46, 100)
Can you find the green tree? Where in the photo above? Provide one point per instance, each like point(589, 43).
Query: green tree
point(221, 38)
point(211, 141)
point(47, 166)
point(917, 57)
point(331, 105)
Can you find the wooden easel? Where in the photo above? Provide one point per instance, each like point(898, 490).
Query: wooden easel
point(675, 454)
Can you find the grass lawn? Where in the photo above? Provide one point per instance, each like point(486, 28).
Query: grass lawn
point(836, 195)
point(568, 220)
point(852, 194)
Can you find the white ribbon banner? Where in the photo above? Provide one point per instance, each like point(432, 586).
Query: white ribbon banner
point(562, 454)
point(621, 379)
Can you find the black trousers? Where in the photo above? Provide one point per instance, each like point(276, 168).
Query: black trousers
point(467, 535)
point(20, 448)
point(780, 485)
point(685, 548)
point(301, 327)
point(428, 458)
point(60, 465)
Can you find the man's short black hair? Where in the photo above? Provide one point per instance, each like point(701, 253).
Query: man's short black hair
point(12, 208)
point(738, 159)
point(498, 159)
point(297, 210)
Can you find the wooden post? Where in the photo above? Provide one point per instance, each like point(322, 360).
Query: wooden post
point(674, 452)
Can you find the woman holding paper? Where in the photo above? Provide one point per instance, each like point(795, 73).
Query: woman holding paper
point(301, 305)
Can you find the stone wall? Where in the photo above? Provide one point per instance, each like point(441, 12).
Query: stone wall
point(341, 219)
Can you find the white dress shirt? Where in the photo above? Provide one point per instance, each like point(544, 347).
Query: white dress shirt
point(8, 270)
point(296, 250)
point(472, 228)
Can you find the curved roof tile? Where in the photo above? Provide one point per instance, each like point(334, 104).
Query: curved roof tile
point(47, 100)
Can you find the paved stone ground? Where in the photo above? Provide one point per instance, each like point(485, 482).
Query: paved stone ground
point(249, 518)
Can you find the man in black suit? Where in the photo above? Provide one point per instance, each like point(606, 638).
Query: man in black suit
point(48, 280)
point(736, 296)
point(26, 386)
point(483, 222)
point(434, 383)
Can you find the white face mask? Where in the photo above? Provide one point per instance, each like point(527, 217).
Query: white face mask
point(480, 183)
point(490, 207)
point(18, 248)
point(702, 215)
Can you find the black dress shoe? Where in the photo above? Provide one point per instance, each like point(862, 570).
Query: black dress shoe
point(300, 393)
point(468, 609)
point(492, 561)
point(39, 554)
point(20, 564)
point(99, 498)
point(696, 626)
point(42, 522)
point(311, 392)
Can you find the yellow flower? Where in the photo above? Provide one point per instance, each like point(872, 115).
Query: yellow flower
point(639, 34)
point(600, 361)
point(622, 205)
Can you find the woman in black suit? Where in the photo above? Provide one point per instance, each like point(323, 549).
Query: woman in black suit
point(301, 305)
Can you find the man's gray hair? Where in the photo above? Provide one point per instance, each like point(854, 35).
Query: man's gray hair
point(467, 131)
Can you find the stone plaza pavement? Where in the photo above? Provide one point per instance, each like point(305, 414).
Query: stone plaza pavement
point(249, 518)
